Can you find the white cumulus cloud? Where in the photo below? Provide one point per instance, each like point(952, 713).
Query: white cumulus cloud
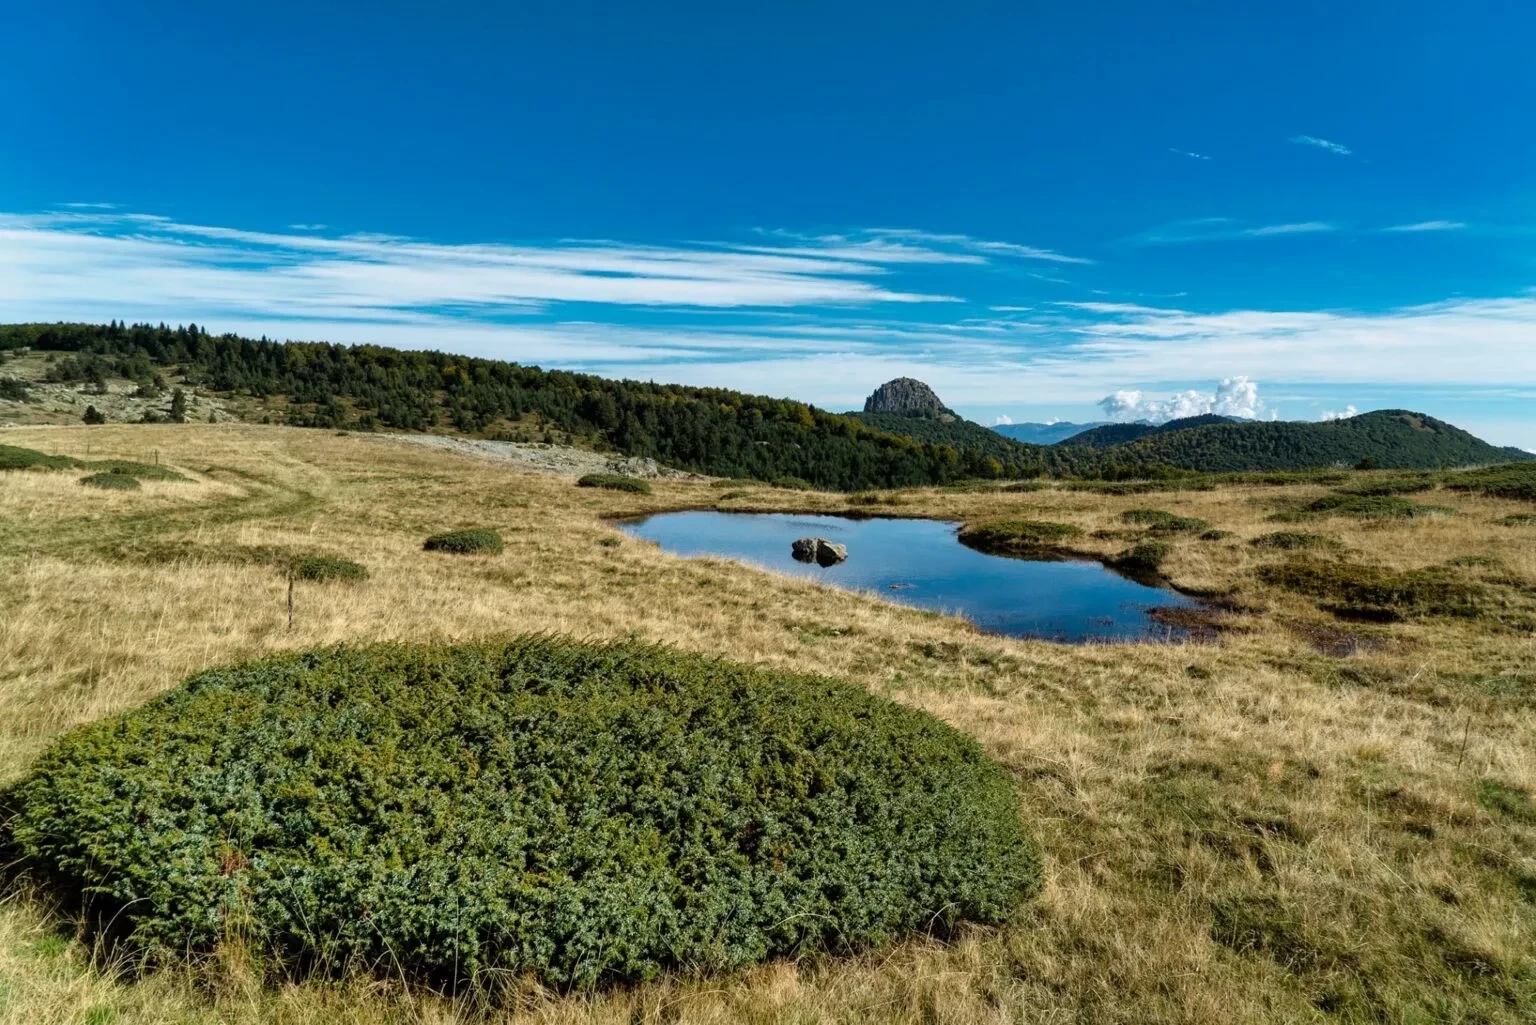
point(1004, 419)
point(1340, 414)
point(1234, 396)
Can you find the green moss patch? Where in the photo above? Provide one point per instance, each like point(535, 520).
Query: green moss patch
point(1017, 536)
point(111, 481)
point(1162, 522)
point(1376, 593)
point(574, 813)
point(614, 482)
point(474, 541)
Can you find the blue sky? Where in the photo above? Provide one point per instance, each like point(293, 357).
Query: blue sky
point(1325, 206)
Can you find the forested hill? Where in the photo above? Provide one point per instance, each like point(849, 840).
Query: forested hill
point(1388, 438)
point(1109, 435)
point(955, 432)
point(708, 430)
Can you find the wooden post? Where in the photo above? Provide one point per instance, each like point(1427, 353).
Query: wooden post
point(290, 601)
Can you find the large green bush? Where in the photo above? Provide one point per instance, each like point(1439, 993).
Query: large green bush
point(574, 812)
point(474, 541)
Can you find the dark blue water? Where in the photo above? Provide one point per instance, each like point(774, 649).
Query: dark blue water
point(920, 562)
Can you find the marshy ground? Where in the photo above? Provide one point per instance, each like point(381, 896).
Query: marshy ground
point(1324, 813)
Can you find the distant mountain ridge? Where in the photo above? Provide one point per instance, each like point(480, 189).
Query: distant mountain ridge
point(1046, 434)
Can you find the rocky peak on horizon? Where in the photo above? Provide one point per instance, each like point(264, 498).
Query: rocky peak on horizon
point(908, 397)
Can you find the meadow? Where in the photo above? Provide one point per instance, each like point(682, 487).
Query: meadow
point(1321, 812)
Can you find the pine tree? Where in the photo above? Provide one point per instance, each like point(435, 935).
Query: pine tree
point(93, 416)
point(178, 407)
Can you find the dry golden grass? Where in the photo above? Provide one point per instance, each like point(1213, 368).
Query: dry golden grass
point(1244, 831)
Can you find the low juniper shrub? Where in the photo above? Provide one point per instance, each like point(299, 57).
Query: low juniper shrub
point(1017, 536)
point(111, 481)
point(327, 568)
point(574, 813)
point(1145, 557)
point(474, 541)
point(614, 482)
point(1163, 522)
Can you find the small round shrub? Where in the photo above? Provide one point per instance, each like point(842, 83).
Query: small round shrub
point(475, 541)
point(1162, 522)
point(326, 568)
point(614, 482)
point(1021, 536)
point(572, 812)
point(111, 481)
point(1146, 557)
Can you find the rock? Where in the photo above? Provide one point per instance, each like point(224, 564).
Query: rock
point(635, 466)
point(907, 396)
point(818, 550)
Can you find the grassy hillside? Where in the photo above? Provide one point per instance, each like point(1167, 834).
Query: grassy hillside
point(1388, 438)
point(1311, 819)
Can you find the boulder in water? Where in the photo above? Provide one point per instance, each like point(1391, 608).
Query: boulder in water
point(818, 550)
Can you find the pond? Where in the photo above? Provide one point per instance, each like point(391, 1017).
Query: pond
point(921, 563)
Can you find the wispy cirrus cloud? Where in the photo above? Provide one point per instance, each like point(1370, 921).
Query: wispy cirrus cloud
point(140, 262)
point(1428, 226)
point(1337, 148)
point(1188, 153)
point(1223, 229)
point(1299, 228)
